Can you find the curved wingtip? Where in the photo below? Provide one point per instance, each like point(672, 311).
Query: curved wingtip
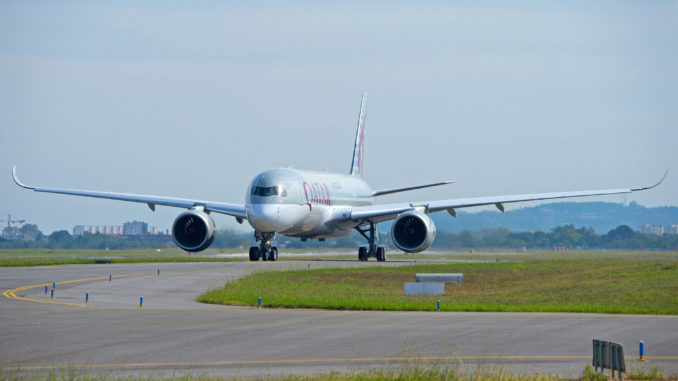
point(652, 186)
point(17, 181)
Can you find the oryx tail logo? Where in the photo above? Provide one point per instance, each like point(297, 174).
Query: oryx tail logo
point(358, 149)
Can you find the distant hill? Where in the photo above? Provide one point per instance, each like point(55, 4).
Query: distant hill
point(601, 216)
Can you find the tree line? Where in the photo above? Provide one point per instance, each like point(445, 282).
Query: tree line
point(566, 236)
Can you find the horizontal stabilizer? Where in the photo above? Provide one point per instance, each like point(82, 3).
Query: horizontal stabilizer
point(396, 190)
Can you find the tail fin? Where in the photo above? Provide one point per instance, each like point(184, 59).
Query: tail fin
point(358, 149)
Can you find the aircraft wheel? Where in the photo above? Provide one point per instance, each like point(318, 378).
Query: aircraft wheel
point(254, 253)
point(362, 254)
point(381, 254)
point(273, 255)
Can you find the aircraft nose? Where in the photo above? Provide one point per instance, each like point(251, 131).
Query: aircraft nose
point(263, 217)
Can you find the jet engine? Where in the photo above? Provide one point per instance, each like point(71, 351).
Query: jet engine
point(194, 230)
point(413, 231)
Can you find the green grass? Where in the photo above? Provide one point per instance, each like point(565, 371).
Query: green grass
point(38, 257)
point(487, 255)
point(628, 283)
point(49, 262)
point(652, 374)
point(412, 372)
point(44, 257)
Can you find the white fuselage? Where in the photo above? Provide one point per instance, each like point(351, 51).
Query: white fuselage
point(305, 204)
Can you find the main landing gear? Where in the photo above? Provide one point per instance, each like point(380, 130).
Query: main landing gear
point(265, 251)
point(372, 250)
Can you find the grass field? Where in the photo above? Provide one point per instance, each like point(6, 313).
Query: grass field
point(631, 283)
point(612, 282)
point(410, 372)
point(42, 257)
point(482, 256)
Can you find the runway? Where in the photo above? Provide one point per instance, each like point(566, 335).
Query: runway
point(172, 335)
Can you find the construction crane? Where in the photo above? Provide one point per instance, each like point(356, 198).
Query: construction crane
point(10, 221)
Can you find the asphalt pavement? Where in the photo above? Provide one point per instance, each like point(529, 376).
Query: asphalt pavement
point(173, 335)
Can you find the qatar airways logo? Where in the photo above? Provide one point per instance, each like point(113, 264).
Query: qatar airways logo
point(316, 194)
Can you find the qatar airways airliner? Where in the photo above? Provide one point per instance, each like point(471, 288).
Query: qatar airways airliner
point(319, 205)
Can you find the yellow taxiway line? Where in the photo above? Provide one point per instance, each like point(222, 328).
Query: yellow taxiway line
point(11, 294)
point(312, 361)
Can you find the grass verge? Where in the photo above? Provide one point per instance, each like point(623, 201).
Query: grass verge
point(607, 285)
point(91, 261)
point(45, 257)
point(414, 372)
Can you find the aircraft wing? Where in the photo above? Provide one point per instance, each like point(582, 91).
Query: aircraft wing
point(378, 213)
point(234, 210)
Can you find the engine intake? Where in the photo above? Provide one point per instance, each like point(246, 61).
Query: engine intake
point(194, 230)
point(413, 231)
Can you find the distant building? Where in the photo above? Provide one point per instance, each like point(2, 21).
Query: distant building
point(135, 228)
point(80, 229)
point(139, 228)
point(128, 228)
point(652, 229)
point(673, 229)
point(112, 229)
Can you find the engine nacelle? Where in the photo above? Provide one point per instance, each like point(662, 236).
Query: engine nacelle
point(194, 230)
point(413, 231)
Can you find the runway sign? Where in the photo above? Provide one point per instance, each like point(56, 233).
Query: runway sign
point(428, 288)
point(608, 355)
point(457, 278)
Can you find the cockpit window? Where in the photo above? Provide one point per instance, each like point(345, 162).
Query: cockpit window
point(265, 191)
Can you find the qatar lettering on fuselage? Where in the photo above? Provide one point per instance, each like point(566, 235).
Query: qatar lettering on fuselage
point(316, 194)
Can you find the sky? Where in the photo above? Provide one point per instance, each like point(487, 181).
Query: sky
point(194, 99)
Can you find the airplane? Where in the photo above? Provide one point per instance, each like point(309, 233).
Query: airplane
point(319, 205)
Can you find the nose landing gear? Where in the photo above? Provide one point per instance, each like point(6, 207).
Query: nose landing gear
point(265, 251)
point(364, 252)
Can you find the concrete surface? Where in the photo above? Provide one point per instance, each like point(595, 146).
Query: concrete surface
point(172, 335)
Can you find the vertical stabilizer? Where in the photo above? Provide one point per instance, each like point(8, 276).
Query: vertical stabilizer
point(358, 149)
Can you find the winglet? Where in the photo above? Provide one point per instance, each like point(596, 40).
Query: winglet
point(17, 181)
point(652, 186)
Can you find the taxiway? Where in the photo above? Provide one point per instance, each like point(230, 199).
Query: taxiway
point(173, 335)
